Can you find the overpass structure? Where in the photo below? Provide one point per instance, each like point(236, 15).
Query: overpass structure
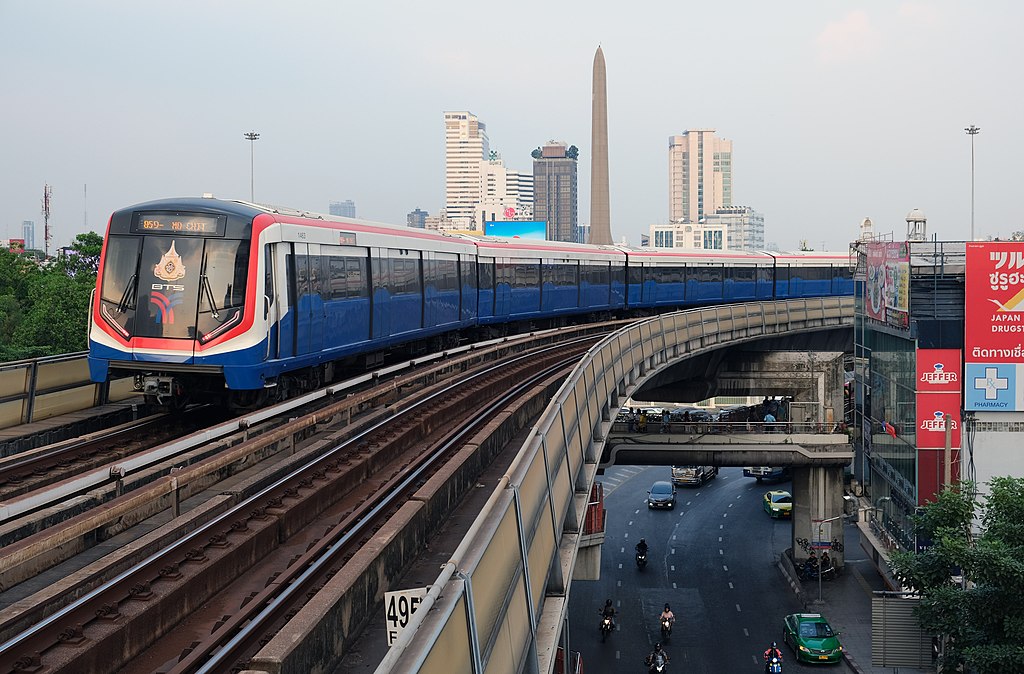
point(500, 604)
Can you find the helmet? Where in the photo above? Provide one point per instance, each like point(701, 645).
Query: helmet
point(657, 647)
point(666, 607)
point(643, 541)
point(608, 602)
point(773, 645)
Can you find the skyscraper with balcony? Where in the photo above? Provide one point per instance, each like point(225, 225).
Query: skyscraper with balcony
point(699, 175)
point(555, 190)
point(465, 146)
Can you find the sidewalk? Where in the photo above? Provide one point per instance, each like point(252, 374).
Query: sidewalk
point(846, 601)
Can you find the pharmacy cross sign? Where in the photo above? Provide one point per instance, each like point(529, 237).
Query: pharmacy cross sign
point(991, 383)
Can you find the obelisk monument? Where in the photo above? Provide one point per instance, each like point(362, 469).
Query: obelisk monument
point(600, 220)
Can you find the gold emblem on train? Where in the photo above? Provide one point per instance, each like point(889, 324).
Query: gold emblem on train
point(170, 267)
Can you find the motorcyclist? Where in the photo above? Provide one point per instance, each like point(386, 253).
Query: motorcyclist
point(668, 615)
point(826, 561)
point(657, 657)
point(772, 652)
point(641, 547)
point(609, 612)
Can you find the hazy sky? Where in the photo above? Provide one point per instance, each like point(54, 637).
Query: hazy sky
point(837, 110)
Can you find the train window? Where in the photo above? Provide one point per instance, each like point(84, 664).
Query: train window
point(268, 275)
point(526, 274)
point(487, 273)
point(336, 286)
point(635, 274)
point(448, 279)
point(742, 274)
point(170, 285)
point(468, 269)
point(504, 273)
point(355, 269)
point(301, 275)
point(226, 267)
point(405, 276)
point(119, 268)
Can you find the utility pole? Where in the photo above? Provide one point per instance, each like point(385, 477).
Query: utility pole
point(252, 137)
point(972, 131)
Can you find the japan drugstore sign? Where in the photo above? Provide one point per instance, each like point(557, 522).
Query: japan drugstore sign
point(994, 327)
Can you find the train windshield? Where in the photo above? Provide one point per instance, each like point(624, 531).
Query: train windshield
point(173, 287)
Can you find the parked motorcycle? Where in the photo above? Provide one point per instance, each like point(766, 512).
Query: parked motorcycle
point(810, 571)
point(641, 560)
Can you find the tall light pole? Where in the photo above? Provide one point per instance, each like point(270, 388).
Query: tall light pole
point(252, 137)
point(972, 131)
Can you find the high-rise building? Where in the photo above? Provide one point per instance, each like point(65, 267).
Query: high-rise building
point(503, 191)
point(744, 227)
point(700, 175)
point(344, 209)
point(555, 189)
point(28, 232)
point(417, 219)
point(465, 146)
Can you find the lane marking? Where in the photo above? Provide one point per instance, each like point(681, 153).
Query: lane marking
point(672, 567)
point(730, 586)
point(738, 609)
point(674, 586)
point(620, 565)
point(726, 568)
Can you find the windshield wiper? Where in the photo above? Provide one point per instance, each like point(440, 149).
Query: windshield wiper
point(127, 296)
point(209, 297)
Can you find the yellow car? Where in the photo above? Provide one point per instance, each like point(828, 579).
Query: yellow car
point(778, 503)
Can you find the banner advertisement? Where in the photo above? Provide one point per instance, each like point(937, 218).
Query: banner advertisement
point(994, 326)
point(938, 371)
point(888, 283)
point(931, 426)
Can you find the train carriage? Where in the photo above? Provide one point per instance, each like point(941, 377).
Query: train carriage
point(523, 279)
point(668, 278)
point(196, 296)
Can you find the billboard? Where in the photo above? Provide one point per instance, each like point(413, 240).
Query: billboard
point(517, 229)
point(937, 395)
point(994, 326)
point(888, 283)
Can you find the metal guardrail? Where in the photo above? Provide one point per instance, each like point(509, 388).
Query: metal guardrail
point(40, 388)
point(505, 591)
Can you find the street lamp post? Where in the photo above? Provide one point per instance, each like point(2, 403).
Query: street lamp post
point(252, 137)
point(820, 533)
point(972, 131)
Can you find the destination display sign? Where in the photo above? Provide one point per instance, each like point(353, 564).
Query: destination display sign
point(179, 224)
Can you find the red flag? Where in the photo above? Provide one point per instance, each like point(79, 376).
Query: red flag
point(889, 428)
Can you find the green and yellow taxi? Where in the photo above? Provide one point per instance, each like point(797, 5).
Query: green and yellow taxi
point(778, 503)
point(811, 638)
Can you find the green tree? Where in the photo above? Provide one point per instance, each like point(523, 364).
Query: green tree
point(982, 615)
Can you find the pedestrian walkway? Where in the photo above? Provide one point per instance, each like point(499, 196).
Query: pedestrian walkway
point(846, 600)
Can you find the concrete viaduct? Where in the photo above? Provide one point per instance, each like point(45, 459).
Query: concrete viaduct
point(500, 604)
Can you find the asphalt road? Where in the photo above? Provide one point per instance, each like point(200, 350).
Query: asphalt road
point(713, 558)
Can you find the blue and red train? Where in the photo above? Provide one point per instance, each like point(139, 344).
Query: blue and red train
point(209, 300)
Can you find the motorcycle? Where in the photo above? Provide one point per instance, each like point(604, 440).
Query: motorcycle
point(606, 627)
point(666, 628)
point(656, 663)
point(641, 560)
point(774, 666)
point(811, 571)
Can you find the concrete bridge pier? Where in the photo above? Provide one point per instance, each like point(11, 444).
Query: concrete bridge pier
point(818, 511)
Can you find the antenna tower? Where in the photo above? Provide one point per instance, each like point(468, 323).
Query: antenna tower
point(47, 192)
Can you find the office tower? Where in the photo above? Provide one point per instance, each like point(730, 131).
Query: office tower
point(417, 219)
point(555, 190)
point(465, 146)
point(700, 175)
point(344, 209)
point(600, 217)
point(28, 232)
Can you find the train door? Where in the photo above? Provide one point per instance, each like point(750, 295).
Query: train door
point(380, 276)
point(309, 307)
point(282, 311)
